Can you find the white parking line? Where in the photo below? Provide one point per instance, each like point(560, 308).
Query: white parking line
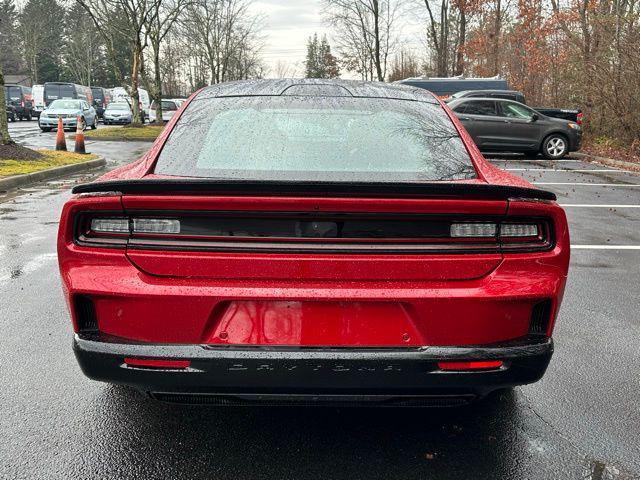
point(605, 247)
point(532, 161)
point(588, 205)
point(595, 170)
point(588, 184)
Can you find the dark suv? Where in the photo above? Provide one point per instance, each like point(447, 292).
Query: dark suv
point(21, 99)
point(499, 125)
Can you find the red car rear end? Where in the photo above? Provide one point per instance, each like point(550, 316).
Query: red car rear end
point(290, 241)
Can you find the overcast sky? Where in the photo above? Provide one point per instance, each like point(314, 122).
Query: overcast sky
point(289, 23)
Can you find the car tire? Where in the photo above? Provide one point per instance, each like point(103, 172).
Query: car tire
point(95, 123)
point(555, 146)
point(29, 117)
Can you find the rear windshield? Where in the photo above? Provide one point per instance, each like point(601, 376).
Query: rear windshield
point(54, 92)
point(315, 139)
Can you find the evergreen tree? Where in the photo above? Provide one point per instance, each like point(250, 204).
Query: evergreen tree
point(42, 27)
point(320, 62)
point(10, 44)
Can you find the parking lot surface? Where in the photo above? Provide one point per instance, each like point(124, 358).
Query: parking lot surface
point(581, 421)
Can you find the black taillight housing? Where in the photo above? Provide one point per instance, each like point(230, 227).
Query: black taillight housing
point(319, 233)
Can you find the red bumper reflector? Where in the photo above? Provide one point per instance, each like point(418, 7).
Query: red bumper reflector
point(157, 363)
point(462, 366)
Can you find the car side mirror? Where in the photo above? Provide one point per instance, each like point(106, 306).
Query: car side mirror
point(535, 117)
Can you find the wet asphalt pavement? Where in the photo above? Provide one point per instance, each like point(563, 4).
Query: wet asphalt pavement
point(582, 421)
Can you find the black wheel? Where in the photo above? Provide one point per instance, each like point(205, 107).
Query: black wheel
point(95, 123)
point(555, 146)
point(20, 117)
point(29, 117)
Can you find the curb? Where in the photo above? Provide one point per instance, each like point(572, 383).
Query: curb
point(114, 139)
point(630, 166)
point(18, 181)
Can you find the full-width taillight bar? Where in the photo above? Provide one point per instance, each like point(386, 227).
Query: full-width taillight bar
point(212, 233)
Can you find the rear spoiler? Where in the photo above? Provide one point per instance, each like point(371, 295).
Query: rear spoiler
point(242, 187)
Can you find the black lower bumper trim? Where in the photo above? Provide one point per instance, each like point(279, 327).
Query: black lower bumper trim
point(296, 400)
point(232, 375)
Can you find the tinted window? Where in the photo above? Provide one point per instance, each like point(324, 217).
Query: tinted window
point(450, 86)
point(14, 93)
point(515, 110)
point(168, 105)
point(315, 139)
point(480, 107)
point(53, 92)
point(97, 94)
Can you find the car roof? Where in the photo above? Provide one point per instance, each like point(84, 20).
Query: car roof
point(317, 88)
point(493, 91)
point(490, 99)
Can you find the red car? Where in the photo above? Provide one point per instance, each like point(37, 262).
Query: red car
point(291, 241)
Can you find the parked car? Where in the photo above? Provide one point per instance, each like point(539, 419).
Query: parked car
point(499, 125)
point(37, 92)
point(573, 115)
point(64, 90)
point(101, 98)
point(447, 86)
point(11, 113)
point(169, 108)
point(308, 241)
point(21, 99)
point(69, 110)
point(117, 113)
point(119, 94)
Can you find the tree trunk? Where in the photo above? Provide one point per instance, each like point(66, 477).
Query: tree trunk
point(158, 83)
point(376, 21)
point(5, 138)
point(462, 37)
point(135, 82)
point(497, 27)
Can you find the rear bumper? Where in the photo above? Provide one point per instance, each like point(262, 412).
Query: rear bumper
point(387, 375)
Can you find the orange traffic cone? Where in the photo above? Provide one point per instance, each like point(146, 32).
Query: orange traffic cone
point(79, 148)
point(61, 143)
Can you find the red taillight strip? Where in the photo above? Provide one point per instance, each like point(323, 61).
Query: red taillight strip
point(470, 366)
point(157, 363)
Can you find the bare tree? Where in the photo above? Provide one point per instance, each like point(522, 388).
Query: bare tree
point(438, 33)
point(134, 15)
point(227, 33)
point(366, 33)
point(284, 69)
point(163, 16)
point(404, 65)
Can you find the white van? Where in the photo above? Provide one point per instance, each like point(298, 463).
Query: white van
point(38, 99)
point(119, 94)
